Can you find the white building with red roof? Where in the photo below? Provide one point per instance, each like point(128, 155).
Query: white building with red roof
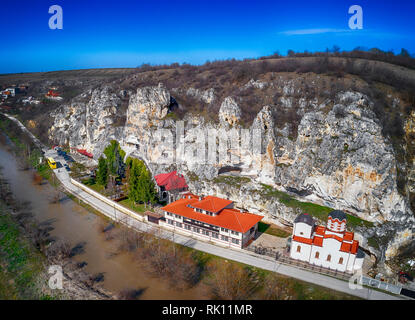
point(330, 247)
point(170, 185)
point(211, 219)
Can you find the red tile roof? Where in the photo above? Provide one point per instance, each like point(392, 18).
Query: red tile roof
point(171, 180)
point(212, 204)
point(303, 240)
point(231, 219)
point(348, 236)
point(333, 236)
point(350, 246)
point(318, 241)
point(320, 230)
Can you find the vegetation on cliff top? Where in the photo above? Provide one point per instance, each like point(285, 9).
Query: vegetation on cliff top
point(317, 211)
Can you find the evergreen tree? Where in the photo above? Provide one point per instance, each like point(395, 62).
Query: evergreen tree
point(134, 181)
point(102, 172)
point(141, 186)
point(149, 188)
point(115, 158)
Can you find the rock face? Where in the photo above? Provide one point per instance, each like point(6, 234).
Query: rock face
point(338, 158)
point(87, 122)
point(229, 111)
point(148, 103)
point(343, 158)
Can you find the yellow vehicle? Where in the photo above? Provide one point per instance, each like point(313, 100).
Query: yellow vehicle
point(51, 163)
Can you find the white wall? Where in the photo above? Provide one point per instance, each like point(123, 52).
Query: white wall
point(303, 230)
point(305, 251)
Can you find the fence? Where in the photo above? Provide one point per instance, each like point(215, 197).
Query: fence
point(282, 258)
point(380, 285)
point(262, 250)
point(111, 203)
point(311, 267)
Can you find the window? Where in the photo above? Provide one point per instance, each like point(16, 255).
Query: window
point(205, 232)
point(301, 233)
point(235, 233)
point(179, 224)
point(317, 255)
point(170, 221)
point(224, 230)
point(187, 227)
point(215, 235)
point(224, 238)
point(329, 257)
point(236, 241)
point(341, 261)
point(197, 230)
point(298, 248)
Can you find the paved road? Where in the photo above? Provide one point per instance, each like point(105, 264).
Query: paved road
point(227, 253)
point(242, 256)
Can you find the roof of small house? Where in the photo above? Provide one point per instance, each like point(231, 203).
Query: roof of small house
point(231, 219)
point(171, 180)
point(212, 204)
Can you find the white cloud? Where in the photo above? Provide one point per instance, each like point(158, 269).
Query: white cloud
point(313, 31)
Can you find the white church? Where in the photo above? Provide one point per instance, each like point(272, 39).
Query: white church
point(330, 247)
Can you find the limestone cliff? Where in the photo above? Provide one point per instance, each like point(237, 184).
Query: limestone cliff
point(338, 157)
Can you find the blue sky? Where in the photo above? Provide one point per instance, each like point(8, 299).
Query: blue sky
point(127, 33)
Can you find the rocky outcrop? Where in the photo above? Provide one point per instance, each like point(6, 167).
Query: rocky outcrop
point(338, 157)
point(87, 122)
point(148, 103)
point(229, 111)
point(207, 96)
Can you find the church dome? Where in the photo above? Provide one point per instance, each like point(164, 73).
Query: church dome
point(337, 221)
point(305, 218)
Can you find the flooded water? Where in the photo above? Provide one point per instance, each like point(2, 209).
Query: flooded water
point(77, 225)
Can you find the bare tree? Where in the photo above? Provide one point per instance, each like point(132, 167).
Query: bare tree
point(231, 281)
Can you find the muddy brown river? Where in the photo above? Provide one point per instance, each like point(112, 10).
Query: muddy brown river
point(77, 225)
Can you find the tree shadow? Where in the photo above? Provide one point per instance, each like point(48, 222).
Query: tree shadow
point(79, 248)
point(131, 294)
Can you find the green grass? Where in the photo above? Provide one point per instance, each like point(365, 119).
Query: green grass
point(45, 171)
point(97, 187)
point(232, 180)
point(139, 208)
point(317, 211)
point(373, 242)
point(272, 230)
point(20, 263)
point(192, 176)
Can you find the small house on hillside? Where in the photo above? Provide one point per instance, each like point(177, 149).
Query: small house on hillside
point(170, 185)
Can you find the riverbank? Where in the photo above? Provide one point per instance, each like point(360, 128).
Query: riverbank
point(124, 270)
point(27, 251)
